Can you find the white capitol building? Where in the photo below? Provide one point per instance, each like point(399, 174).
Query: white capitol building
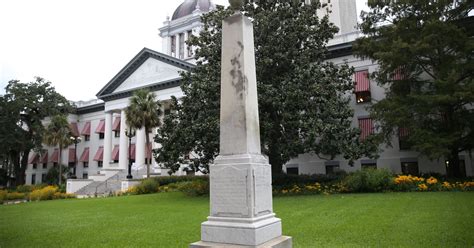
point(103, 152)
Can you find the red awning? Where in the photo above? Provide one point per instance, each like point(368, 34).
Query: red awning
point(72, 155)
point(399, 74)
point(87, 129)
point(34, 159)
point(74, 129)
point(366, 127)
point(132, 151)
point(115, 153)
point(403, 132)
point(44, 159)
point(99, 155)
point(101, 127)
point(116, 125)
point(55, 156)
point(362, 81)
point(85, 155)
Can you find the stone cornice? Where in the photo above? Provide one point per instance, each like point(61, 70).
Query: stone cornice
point(152, 87)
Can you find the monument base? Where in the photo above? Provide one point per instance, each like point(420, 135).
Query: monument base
point(241, 231)
point(280, 242)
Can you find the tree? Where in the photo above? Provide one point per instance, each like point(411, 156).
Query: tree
point(303, 99)
point(424, 51)
point(58, 133)
point(144, 112)
point(22, 108)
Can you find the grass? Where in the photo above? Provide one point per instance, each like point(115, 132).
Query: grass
point(442, 219)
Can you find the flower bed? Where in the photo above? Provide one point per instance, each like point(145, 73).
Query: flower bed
point(34, 193)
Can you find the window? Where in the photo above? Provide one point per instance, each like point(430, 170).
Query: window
point(403, 142)
point(35, 166)
point(71, 164)
point(100, 164)
point(101, 136)
point(85, 164)
point(363, 97)
point(368, 165)
point(85, 175)
point(190, 48)
point(173, 46)
point(410, 168)
point(453, 172)
point(55, 165)
point(45, 165)
point(292, 171)
point(87, 137)
point(331, 169)
point(181, 46)
point(33, 178)
point(117, 134)
point(362, 87)
point(43, 178)
point(366, 127)
point(167, 111)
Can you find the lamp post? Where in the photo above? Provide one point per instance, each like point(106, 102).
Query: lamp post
point(75, 140)
point(129, 133)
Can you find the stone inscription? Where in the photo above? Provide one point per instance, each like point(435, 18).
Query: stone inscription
point(229, 192)
point(263, 190)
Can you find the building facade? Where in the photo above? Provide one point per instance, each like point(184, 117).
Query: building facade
point(101, 124)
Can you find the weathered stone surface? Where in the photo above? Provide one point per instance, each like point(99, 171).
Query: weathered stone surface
point(239, 129)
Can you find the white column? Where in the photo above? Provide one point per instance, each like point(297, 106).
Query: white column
point(185, 45)
point(108, 140)
point(140, 147)
point(177, 45)
point(123, 148)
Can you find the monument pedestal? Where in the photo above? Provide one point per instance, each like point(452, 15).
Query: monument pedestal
point(241, 197)
point(280, 242)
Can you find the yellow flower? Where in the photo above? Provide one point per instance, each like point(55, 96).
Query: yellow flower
point(447, 185)
point(422, 187)
point(432, 180)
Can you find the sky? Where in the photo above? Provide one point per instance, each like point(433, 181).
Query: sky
point(78, 45)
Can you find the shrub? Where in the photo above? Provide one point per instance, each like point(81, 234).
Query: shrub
point(194, 188)
point(176, 179)
point(15, 196)
point(369, 180)
point(284, 181)
point(3, 195)
point(46, 193)
point(60, 195)
point(147, 186)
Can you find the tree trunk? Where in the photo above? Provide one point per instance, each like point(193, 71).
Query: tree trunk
point(453, 168)
point(274, 158)
point(19, 165)
point(147, 140)
point(60, 166)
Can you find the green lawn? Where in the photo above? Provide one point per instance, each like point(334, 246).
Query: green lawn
point(444, 219)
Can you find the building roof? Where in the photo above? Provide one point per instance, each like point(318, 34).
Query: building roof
point(189, 6)
point(138, 60)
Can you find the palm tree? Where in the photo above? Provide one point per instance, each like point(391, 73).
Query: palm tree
point(58, 133)
point(143, 112)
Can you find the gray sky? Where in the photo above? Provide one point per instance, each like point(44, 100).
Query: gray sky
point(79, 45)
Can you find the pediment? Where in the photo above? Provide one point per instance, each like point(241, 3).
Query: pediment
point(152, 71)
point(147, 69)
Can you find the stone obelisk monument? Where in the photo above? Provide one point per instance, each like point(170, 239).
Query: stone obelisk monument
point(240, 180)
